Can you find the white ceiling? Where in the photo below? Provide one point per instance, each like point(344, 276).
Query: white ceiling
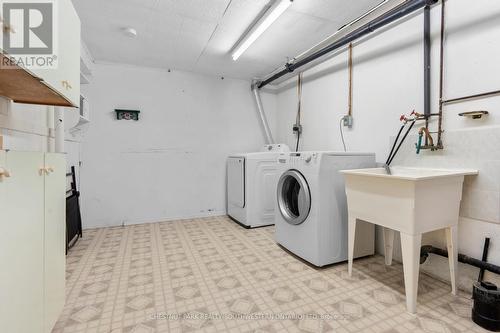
point(198, 35)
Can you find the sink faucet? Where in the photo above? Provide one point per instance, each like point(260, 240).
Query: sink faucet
point(421, 132)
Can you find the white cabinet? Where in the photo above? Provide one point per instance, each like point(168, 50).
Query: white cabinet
point(55, 238)
point(21, 244)
point(32, 238)
point(66, 78)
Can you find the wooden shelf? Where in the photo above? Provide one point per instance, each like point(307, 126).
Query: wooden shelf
point(21, 86)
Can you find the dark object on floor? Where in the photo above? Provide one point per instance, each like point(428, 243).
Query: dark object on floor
point(73, 216)
point(486, 309)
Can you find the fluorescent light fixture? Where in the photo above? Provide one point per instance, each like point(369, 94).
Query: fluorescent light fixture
point(265, 22)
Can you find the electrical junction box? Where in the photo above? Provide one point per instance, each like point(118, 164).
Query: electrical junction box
point(347, 121)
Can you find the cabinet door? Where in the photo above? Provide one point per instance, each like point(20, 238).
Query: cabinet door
point(69, 50)
point(21, 244)
point(3, 217)
point(4, 283)
point(55, 238)
point(66, 78)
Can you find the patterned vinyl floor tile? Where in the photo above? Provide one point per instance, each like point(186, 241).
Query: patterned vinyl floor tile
point(211, 275)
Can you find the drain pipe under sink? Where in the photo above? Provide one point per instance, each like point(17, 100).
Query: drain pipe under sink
point(262, 115)
point(426, 249)
point(486, 295)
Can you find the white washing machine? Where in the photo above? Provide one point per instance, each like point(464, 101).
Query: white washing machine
point(251, 186)
point(311, 218)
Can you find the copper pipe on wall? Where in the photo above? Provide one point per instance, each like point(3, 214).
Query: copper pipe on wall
point(429, 143)
point(350, 80)
point(465, 98)
point(428, 136)
point(441, 76)
point(427, 66)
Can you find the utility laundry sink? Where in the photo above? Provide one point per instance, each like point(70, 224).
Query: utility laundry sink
point(408, 173)
point(412, 201)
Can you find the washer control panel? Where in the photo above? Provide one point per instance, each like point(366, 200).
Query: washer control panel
point(298, 158)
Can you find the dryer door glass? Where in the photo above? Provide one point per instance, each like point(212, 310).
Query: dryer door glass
point(294, 197)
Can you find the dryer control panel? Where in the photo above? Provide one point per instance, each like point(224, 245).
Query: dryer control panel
point(282, 148)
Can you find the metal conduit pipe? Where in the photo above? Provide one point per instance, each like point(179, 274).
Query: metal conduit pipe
point(441, 73)
point(401, 11)
point(343, 31)
point(262, 115)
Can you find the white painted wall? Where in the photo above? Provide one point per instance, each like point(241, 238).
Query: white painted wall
point(388, 81)
point(172, 162)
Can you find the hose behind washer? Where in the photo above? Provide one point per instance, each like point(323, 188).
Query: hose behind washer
point(299, 110)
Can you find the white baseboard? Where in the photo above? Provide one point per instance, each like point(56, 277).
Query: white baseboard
point(158, 220)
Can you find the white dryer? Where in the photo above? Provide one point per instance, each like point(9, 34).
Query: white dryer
point(312, 205)
point(251, 186)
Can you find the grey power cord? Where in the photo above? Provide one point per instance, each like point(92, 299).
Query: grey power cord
point(342, 133)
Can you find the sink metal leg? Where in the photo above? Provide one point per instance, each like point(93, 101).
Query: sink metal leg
point(452, 244)
point(410, 245)
point(351, 227)
point(388, 245)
